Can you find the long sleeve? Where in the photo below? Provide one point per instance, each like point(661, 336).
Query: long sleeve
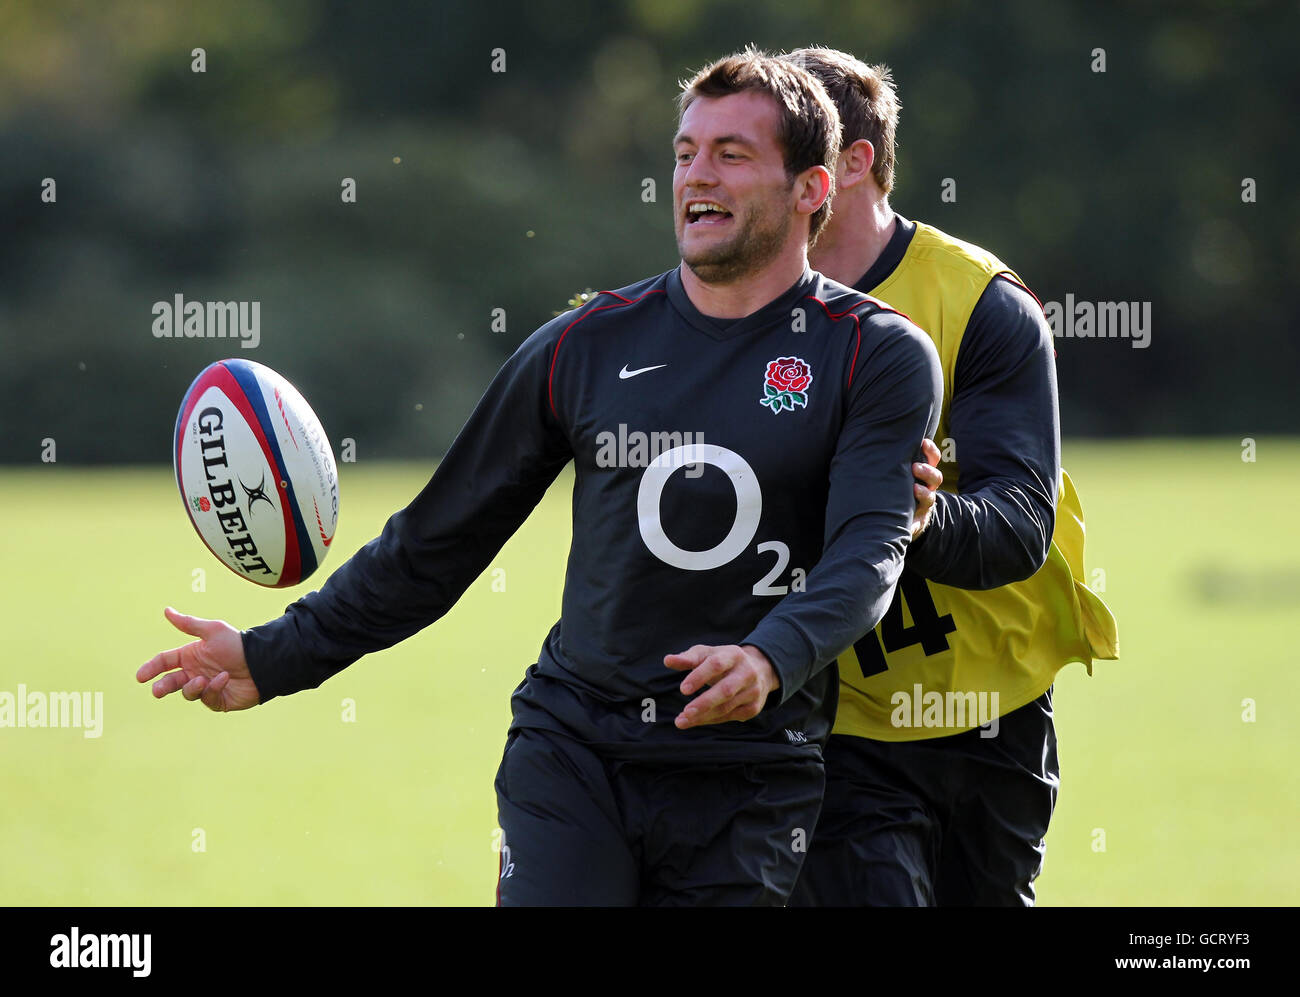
point(496, 471)
point(998, 528)
point(894, 401)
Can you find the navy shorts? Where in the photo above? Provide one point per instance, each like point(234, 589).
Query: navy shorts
point(580, 829)
point(947, 821)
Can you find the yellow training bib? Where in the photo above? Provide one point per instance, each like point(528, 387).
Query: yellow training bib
point(944, 659)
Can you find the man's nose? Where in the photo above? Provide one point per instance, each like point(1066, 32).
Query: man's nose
point(700, 173)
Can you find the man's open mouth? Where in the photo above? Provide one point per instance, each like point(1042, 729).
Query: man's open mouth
point(706, 212)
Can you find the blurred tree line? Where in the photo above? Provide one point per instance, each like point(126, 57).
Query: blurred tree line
point(479, 190)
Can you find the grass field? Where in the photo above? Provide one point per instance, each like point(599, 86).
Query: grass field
point(293, 804)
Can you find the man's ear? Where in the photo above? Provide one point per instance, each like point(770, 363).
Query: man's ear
point(814, 186)
point(854, 165)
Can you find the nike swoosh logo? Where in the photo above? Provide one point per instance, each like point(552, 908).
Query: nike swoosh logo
point(624, 374)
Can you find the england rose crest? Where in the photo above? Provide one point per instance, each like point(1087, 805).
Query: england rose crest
point(786, 384)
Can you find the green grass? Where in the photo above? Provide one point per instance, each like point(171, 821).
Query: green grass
point(297, 806)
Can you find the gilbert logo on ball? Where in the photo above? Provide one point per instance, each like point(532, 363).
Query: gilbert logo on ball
point(256, 473)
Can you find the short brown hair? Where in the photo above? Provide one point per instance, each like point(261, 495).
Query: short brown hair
point(809, 127)
point(865, 98)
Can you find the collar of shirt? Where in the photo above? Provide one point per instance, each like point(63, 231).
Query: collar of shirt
point(890, 257)
point(777, 310)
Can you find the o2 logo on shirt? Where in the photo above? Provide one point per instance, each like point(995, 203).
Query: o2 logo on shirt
point(749, 511)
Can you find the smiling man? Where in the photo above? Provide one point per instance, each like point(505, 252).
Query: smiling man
point(666, 746)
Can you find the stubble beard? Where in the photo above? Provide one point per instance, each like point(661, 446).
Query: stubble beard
point(753, 246)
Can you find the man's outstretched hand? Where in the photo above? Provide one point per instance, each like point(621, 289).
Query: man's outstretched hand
point(212, 668)
point(740, 680)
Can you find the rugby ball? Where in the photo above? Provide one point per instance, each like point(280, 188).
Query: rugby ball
point(256, 473)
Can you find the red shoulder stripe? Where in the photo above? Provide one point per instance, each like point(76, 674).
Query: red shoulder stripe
point(550, 377)
point(885, 306)
point(1012, 280)
point(857, 322)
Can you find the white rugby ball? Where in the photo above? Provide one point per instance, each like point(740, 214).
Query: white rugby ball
point(256, 473)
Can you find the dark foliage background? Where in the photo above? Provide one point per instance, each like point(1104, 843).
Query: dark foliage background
point(480, 190)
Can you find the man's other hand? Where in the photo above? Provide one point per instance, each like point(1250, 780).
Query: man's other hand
point(739, 678)
point(928, 479)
